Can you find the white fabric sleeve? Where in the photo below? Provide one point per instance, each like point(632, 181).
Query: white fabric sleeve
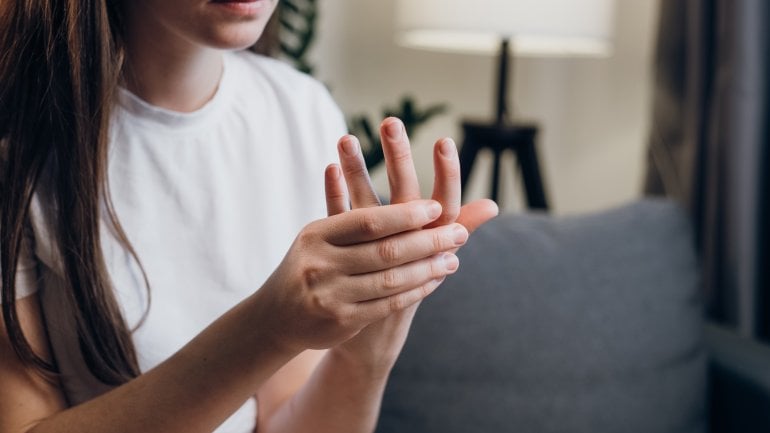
point(327, 124)
point(334, 126)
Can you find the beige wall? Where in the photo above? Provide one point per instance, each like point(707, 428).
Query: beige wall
point(593, 113)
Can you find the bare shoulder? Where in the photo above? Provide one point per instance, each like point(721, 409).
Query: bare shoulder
point(25, 397)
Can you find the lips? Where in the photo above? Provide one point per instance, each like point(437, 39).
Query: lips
point(239, 8)
point(236, 2)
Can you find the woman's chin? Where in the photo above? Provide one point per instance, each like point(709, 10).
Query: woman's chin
point(234, 38)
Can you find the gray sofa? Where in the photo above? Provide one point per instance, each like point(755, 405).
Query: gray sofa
point(579, 324)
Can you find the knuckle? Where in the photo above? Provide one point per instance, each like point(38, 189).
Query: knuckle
point(423, 292)
point(369, 225)
point(452, 173)
point(437, 267)
point(451, 212)
point(440, 241)
point(397, 303)
point(321, 305)
point(415, 216)
point(390, 279)
point(308, 235)
point(336, 195)
point(357, 169)
point(329, 310)
point(388, 250)
point(427, 289)
point(344, 317)
point(312, 276)
point(402, 156)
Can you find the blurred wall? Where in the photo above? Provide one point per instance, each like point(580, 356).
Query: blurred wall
point(593, 113)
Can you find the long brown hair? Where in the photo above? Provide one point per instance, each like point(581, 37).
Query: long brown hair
point(60, 63)
point(60, 66)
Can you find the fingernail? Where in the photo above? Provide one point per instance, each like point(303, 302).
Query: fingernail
point(460, 235)
point(434, 210)
point(393, 129)
point(448, 148)
point(451, 262)
point(350, 146)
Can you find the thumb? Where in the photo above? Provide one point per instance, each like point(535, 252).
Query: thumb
point(474, 214)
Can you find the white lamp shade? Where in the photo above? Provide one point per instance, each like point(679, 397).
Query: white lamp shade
point(535, 27)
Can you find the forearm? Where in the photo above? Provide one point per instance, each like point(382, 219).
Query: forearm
point(193, 391)
point(341, 396)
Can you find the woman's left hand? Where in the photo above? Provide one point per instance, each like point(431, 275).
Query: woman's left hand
point(378, 345)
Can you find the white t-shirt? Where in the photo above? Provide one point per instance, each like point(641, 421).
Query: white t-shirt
point(210, 200)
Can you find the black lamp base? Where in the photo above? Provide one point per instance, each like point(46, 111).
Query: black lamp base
point(504, 135)
point(520, 139)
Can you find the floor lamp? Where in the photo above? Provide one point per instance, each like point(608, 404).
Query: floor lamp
point(563, 28)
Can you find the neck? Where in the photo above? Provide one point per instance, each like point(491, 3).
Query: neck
point(168, 71)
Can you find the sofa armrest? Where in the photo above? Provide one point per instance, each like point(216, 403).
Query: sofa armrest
point(739, 382)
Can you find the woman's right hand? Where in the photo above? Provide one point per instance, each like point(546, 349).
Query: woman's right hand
point(352, 269)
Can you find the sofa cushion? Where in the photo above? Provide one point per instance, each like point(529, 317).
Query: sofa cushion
point(573, 324)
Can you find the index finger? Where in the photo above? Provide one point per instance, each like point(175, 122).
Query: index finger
point(336, 193)
point(369, 224)
point(402, 177)
point(355, 173)
point(446, 185)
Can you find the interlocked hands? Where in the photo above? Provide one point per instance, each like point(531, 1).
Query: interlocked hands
point(352, 282)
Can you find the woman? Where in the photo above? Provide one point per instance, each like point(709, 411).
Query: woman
point(147, 110)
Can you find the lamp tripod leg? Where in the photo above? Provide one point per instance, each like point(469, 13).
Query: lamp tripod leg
point(495, 186)
point(530, 173)
point(468, 154)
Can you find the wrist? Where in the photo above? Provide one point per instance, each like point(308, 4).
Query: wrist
point(373, 368)
point(269, 335)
